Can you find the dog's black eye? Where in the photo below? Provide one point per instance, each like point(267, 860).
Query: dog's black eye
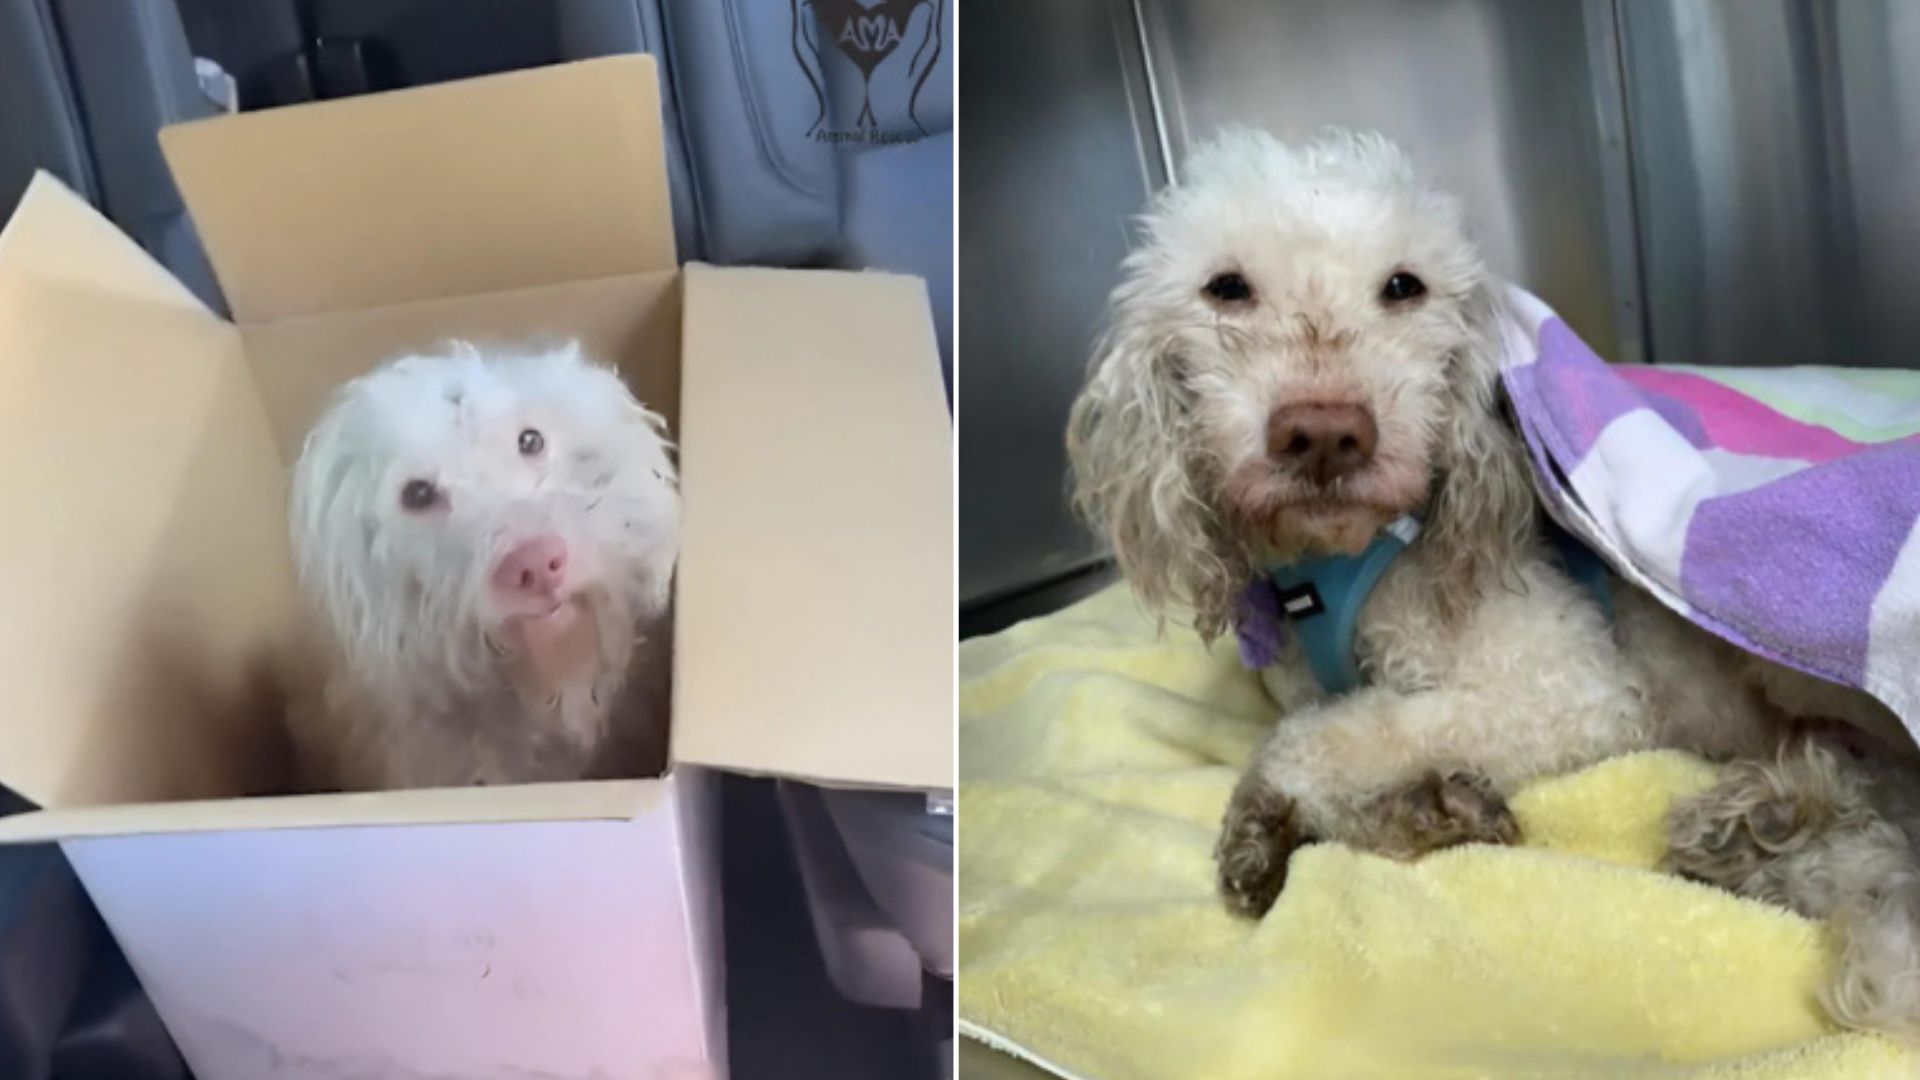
point(1229, 288)
point(532, 442)
point(1402, 287)
point(419, 495)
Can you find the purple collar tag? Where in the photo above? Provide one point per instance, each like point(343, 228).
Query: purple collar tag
point(1259, 625)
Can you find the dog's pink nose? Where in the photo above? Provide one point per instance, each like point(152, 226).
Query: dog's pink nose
point(536, 567)
point(1322, 442)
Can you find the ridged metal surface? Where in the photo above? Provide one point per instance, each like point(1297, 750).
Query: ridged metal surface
point(1777, 168)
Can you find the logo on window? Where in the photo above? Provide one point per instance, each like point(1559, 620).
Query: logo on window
point(868, 62)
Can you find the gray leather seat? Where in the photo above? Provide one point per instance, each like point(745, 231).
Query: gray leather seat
point(84, 87)
point(760, 175)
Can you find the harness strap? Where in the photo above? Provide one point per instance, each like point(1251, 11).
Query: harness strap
point(1322, 599)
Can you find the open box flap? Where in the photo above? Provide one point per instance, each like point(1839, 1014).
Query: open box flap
point(56, 237)
point(528, 178)
point(815, 598)
point(139, 604)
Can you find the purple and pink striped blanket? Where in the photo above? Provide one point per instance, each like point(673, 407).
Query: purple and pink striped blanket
point(1775, 507)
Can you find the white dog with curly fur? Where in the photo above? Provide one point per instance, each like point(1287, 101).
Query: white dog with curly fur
point(489, 541)
point(1303, 351)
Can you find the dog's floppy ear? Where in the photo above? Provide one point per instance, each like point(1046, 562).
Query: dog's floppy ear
point(1483, 507)
point(1135, 477)
point(329, 548)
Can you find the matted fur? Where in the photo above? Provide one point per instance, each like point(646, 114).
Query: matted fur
point(1484, 663)
point(425, 687)
point(1167, 440)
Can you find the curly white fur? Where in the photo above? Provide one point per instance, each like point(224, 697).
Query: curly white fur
point(437, 676)
point(1486, 666)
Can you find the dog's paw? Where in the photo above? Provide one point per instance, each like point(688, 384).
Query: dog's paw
point(1438, 811)
point(1259, 833)
point(1725, 836)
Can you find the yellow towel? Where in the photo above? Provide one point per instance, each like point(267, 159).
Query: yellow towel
point(1096, 758)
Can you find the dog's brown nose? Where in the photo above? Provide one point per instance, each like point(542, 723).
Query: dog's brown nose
point(1322, 442)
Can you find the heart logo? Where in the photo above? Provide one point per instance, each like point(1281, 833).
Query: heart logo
point(866, 31)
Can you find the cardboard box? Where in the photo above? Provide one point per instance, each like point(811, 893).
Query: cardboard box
point(561, 930)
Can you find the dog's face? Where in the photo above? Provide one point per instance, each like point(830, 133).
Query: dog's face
point(1291, 352)
point(453, 509)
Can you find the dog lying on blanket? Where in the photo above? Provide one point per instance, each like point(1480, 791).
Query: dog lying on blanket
point(1304, 352)
point(488, 541)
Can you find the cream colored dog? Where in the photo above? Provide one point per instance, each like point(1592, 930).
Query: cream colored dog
point(488, 540)
point(1303, 350)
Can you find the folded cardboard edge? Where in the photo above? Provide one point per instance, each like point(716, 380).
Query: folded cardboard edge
point(589, 800)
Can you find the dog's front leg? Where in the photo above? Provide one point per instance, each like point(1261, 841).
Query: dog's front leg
point(1404, 774)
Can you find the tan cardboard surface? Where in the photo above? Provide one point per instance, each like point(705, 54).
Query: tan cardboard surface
point(58, 239)
point(527, 178)
point(814, 635)
point(143, 560)
point(610, 800)
point(632, 322)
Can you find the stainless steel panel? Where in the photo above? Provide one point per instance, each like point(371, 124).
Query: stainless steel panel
point(1496, 100)
point(1051, 168)
point(1072, 108)
point(1775, 153)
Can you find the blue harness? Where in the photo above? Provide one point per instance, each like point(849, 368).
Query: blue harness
point(1320, 601)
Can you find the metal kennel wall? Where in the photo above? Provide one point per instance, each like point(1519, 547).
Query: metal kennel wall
point(1686, 181)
